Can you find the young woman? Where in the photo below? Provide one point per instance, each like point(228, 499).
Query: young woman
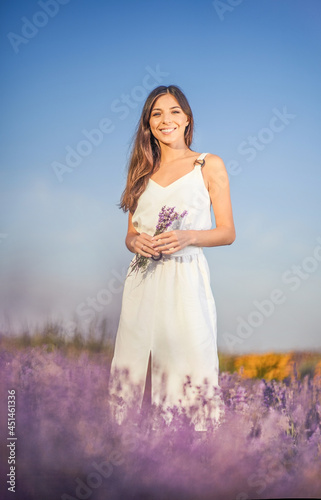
point(168, 310)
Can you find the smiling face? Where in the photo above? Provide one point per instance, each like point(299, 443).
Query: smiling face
point(168, 121)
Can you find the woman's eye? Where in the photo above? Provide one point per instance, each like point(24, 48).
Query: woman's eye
point(156, 114)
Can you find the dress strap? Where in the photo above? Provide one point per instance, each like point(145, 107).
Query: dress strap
point(200, 160)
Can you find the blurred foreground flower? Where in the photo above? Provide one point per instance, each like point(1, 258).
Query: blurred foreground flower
point(268, 445)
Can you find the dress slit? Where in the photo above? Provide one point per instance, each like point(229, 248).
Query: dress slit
point(147, 396)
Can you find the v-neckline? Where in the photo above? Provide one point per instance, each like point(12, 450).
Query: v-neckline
point(182, 177)
point(174, 182)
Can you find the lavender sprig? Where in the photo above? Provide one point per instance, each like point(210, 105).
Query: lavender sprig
point(166, 217)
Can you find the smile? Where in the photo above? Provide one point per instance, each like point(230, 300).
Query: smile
point(167, 130)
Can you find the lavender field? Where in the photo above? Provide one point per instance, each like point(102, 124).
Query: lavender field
point(268, 444)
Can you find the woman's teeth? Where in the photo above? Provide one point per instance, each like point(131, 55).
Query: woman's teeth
point(167, 130)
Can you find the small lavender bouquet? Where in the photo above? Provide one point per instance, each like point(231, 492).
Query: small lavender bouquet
point(166, 217)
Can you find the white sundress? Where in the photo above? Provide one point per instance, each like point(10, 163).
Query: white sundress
point(168, 310)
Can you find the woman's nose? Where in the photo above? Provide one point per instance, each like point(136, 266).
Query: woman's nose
point(167, 118)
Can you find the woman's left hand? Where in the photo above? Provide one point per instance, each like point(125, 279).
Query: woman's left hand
point(172, 241)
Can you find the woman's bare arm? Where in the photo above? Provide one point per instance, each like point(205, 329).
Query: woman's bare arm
point(217, 183)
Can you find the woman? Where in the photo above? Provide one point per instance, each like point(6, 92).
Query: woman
point(168, 310)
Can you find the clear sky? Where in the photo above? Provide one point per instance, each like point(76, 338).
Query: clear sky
point(74, 77)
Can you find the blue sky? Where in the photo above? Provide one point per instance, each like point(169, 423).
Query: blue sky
point(79, 69)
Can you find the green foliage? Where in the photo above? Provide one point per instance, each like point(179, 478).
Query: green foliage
point(97, 339)
point(53, 337)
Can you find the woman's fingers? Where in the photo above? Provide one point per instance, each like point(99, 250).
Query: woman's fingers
point(143, 249)
point(171, 242)
point(165, 242)
point(146, 237)
point(144, 246)
point(168, 248)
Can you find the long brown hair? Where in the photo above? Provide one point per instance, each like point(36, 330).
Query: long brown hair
point(145, 154)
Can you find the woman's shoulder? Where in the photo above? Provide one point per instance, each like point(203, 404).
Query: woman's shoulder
point(213, 163)
point(209, 157)
point(214, 169)
point(213, 159)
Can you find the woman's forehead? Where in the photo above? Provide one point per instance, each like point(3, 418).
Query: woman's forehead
point(166, 100)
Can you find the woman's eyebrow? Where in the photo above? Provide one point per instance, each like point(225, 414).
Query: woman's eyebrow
point(160, 109)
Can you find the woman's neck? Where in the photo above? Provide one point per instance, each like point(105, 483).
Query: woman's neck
point(170, 154)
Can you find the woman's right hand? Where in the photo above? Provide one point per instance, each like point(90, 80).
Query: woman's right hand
point(142, 244)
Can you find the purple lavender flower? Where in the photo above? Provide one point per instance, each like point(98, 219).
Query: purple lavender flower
point(166, 217)
point(255, 452)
